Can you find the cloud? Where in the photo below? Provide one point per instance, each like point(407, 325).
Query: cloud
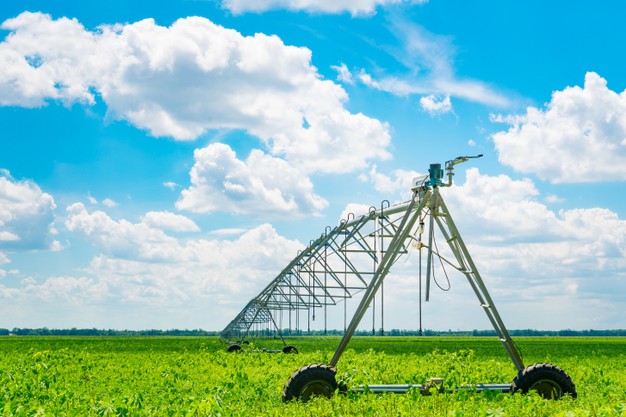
point(107, 202)
point(66, 289)
point(7, 236)
point(547, 264)
point(26, 215)
point(508, 206)
point(147, 240)
point(228, 231)
point(205, 291)
point(429, 62)
point(250, 261)
point(170, 185)
point(165, 220)
point(353, 211)
point(260, 185)
point(343, 73)
point(124, 239)
point(398, 183)
point(223, 80)
point(40, 61)
point(139, 262)
point(519, 236)
point(580, 136)
point(355, 8)
point(435, 106)
point(551, 198)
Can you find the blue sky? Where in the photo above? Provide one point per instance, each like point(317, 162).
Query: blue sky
point(162, 161)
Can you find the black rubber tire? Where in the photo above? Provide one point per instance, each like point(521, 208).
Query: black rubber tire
point(311, 380)
point(245, 342)
point(233, 348)
point(550, 381)
point(290, 349)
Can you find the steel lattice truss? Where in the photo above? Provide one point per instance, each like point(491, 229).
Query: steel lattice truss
point(335, 267)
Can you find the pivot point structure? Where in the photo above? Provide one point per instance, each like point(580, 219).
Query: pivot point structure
point(356, 257)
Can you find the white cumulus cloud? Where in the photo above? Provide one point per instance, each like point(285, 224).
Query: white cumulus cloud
point(222, 79)
point(399, 182)
point(169, 221)
point(107, 202)
point(435, 105)
point(205, 291)
point(580, 136)
point(122, 238)
point(147, 241)
point(66, 289)
point(260, 185)
point(548, 264)
point(44, 59)
point(26, 215)
point(519, 236)
point(139, 262)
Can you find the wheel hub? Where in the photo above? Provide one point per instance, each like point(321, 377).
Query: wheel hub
point(547, 388)
point(316, 387)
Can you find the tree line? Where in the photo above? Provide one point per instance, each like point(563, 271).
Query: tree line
point(44, 331)
point(292, 332)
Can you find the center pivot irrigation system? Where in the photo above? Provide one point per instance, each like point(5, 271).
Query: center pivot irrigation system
point(355, 257)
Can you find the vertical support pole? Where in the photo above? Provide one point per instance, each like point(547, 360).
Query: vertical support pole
point(345, 299)
point(290, 304)
point(326, 286)
point(297, 293)
point(431, 235)
point(420, 281)
point(376, 260)
point(280, 333)
point(381, 250)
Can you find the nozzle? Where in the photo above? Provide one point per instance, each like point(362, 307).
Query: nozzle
point(461, 159)
point(458, 160)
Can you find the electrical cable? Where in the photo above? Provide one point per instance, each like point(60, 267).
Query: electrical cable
point(442, 267)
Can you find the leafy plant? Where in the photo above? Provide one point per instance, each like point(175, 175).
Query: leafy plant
point(195, 376)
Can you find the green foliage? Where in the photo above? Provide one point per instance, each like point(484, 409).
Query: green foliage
point(194, 376)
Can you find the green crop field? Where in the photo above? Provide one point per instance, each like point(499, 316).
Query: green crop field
point(194, 376)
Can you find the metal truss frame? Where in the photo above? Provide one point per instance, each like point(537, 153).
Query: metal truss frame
point(333, 268)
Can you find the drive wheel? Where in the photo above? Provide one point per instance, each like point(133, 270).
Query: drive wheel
point(290, 349)
point(550, 381)
point(311, 380)
point(233, 348)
